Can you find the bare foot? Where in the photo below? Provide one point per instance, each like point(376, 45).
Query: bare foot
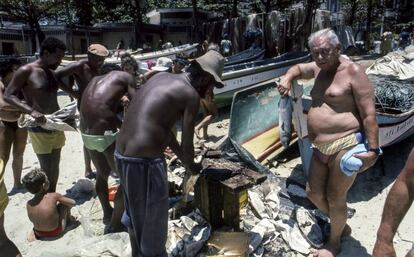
point(31, 236)
point(327, 251)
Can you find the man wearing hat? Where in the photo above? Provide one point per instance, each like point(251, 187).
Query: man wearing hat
point(145, 133)
point(83, 71)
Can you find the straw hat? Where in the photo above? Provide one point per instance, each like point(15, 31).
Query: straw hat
point(98, 49)
point(213, 63)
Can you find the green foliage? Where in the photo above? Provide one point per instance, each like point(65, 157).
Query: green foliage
point(29, 10)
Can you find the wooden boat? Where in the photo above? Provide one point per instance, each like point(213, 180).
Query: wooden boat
point(240, 76)
point(254, 121)
point(247, 55)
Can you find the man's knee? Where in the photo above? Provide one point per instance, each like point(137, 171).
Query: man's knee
point(315, 196)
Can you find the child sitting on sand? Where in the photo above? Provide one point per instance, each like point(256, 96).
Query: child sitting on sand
point(49, 212)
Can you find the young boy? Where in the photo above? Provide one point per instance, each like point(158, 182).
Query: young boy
point(49, 212)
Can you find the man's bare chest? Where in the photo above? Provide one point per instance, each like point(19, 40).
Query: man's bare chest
point(42, 81)
point(332, 90)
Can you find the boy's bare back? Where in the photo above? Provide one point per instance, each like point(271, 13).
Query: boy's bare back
point(43, 213)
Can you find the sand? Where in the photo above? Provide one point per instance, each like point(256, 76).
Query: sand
point(367, 196)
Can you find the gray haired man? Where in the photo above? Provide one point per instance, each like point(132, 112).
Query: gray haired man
point(342, 128)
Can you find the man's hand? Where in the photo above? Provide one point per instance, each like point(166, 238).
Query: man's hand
point(368, 159)
point(39, 117)
point(125, 101)
point(383, 249)
point(284, 86)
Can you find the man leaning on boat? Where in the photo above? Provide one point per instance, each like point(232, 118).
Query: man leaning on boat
point(342, 128)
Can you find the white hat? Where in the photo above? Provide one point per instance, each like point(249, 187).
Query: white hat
point(163, 64)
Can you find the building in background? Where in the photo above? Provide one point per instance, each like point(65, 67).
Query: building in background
point(177, 23)
point(16, 37)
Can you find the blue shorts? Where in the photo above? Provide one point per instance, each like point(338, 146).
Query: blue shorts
point(145, 185)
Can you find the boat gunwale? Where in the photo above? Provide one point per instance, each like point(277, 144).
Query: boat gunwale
point(262, 68)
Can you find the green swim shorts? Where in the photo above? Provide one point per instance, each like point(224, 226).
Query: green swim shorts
point(99, 142)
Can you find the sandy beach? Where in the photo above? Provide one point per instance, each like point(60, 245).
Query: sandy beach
point(367, 196)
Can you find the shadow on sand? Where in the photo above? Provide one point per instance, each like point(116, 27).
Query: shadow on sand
point(370, 183)
point(353, 248)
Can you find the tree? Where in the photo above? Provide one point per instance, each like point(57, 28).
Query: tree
point(84, 11)
point(30, 11)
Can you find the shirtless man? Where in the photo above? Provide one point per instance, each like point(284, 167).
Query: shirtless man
point(398, 202)
point(99, 108)
point(342, 116)
point(10, 133)
point(145, 133)
point(83, 71)
point(39, 86)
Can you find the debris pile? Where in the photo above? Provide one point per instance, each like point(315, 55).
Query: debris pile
point(232, 203)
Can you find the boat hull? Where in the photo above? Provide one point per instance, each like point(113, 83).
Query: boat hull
point(242, 76)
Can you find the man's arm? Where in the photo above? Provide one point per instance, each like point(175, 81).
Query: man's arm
point(4, 106)
point(17, 83)
point(69, 70)
point(303, 71)
point(187, 136)
point(363, 92)
point(396, 206)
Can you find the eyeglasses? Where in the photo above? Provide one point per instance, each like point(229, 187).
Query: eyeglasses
point(324, 52)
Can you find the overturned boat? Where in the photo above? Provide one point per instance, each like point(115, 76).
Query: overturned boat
point(248, 55)
point(241, 76)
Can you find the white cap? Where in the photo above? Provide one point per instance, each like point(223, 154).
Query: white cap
point(163, 64)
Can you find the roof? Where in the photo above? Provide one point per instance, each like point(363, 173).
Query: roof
point(172, 10)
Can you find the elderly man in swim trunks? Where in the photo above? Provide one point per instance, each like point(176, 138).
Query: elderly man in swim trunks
point(83, 71)
point(38, 83)
point(7, 247)
point(342, 116)
point(99, 108)
point(10, 133)
point(145, 133)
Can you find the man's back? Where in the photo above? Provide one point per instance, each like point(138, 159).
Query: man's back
point(101, 100)
point(152, 113)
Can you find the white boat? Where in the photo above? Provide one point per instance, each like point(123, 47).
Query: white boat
point(240, 76)
point(186, 50)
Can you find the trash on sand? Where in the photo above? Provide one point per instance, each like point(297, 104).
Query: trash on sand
point(234, 244)
point(309, 227)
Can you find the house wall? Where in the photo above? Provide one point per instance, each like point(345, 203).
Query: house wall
point(15, 37)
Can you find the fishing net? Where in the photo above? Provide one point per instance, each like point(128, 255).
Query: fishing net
point(393, 95)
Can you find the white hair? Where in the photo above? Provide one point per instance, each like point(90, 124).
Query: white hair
point(327, 34)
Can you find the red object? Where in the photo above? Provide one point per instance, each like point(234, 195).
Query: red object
point(53, 233)
point(112, 192)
